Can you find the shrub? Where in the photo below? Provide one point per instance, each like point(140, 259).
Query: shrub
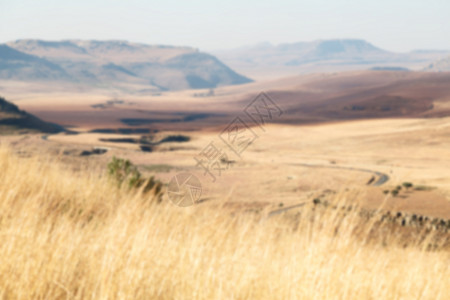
point(423, 188)
point(407, 185)
point(123, 171)
point(175, 138)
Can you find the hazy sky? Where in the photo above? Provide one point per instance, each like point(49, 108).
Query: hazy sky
point(396, 25)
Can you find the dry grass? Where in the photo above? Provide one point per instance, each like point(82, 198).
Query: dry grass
point(66, 235)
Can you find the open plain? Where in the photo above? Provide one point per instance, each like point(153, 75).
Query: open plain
point(334, 132)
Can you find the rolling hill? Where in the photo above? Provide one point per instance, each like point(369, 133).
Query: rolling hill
point(14, 120)
point(107, 63)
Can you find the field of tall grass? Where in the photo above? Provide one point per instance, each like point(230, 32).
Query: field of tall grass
point(76, 235)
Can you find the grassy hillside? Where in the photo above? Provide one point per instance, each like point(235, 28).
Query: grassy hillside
point(14, 120)
point(66, 235)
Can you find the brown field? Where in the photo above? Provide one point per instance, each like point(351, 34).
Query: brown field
point(315, 98)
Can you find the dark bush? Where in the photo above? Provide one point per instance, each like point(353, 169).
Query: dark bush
point(407, 185)
point(123, 171)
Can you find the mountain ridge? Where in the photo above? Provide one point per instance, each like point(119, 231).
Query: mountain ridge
point(118, 62)
point(18, 65)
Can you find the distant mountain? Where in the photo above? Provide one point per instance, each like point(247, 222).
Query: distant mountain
point(441, 65)
point(114, 62)
point(305, 52)
point(349, 50)
point(322, 55)
point(13, 120)
point(387, 68)
point(18, 65)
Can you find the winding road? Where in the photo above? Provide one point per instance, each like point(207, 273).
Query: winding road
point(382, 179)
